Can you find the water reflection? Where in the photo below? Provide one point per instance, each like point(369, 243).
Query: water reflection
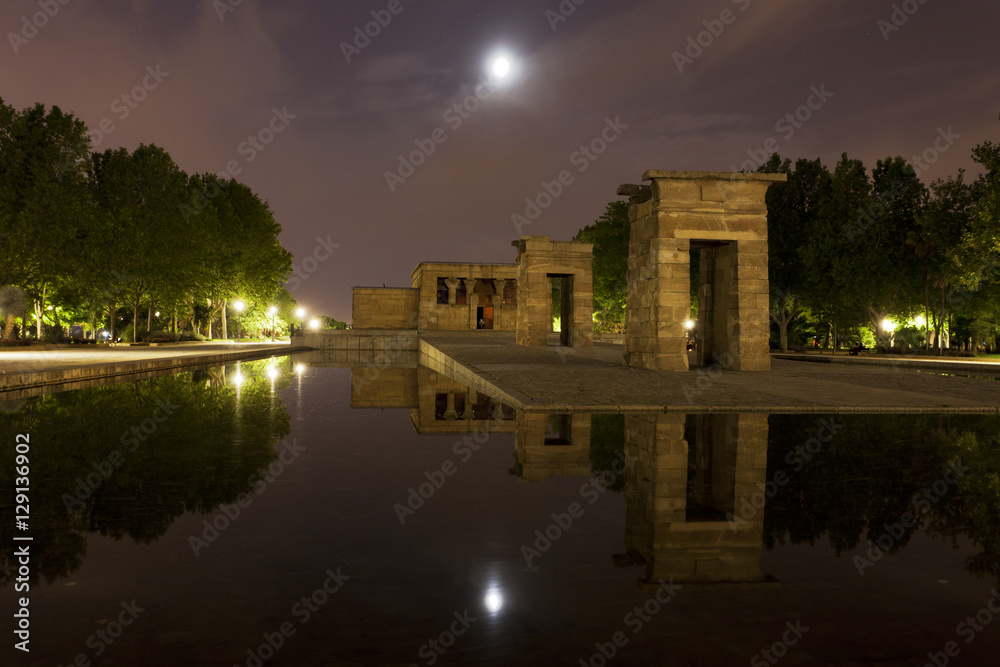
point(705, 494)
point(682, 482)
point(126, 460)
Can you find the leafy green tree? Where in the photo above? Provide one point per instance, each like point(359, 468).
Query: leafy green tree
point(886, 265)
point(44, 207)
point(610, 237)
point(937, 241)
point(832, 280)
point(144, 237)
point(792, 208)
point(247, 258)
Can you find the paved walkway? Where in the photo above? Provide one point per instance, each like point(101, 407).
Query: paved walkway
point(596, 379)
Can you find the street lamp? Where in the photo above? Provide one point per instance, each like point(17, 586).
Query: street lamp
point(272, 310)
point(239, 306)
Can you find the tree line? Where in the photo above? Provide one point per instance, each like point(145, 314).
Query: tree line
point(858, 256)
point(113, 237)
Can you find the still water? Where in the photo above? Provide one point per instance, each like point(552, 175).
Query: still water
point(281, 513)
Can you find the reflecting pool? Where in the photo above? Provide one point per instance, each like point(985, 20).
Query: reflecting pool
point(285, 512)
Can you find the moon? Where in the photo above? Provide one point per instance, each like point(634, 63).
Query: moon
point(500, 67)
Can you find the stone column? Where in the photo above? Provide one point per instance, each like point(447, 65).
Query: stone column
point(450, 413)
point(452, 284)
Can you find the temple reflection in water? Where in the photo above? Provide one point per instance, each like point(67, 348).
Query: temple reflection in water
point(684, 475)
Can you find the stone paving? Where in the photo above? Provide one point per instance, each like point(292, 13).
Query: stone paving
point(596, 379)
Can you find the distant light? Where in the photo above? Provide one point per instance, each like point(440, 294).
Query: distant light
point(272, 372)
point(238, 379)
point(314, 324)
point(300, 368)
point(106, 334)
point(272, 310)
point(300, 313)
point(157, 314)
point(49, 308)
point(888, 325)
point(239, 305)
point(920, 321)
point(689, 324)
point(494, 601)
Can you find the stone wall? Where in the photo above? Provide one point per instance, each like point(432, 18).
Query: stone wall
point(377, 348)
point(478, 281)
point(384, 308)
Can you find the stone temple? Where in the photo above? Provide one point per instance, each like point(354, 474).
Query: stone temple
point(546, 297)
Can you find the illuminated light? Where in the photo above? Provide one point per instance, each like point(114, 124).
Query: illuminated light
point(494, 601)
point(501, 67)
point(238, 379)
point(300, 313)
point(888, 325)
point(272, 372)
point(314, 324)
point(156, 314)
point(300, 368)
point(272, 310)
point(920, 321)
point(239, 305)
point(689, 324)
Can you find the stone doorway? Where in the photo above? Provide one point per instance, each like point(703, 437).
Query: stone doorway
point(484, 314)
point(718, 293)
point(562, 307)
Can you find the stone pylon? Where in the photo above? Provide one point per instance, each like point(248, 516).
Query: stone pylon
point(723, 217)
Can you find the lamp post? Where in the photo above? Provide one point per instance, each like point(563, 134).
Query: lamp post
point(272, 310)
point(239, 306)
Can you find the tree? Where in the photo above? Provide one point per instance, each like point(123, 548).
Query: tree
point(610, 237)
point(247, 259)
point(44, 207)
point(937, 242)
point(883, 260)
point(792, 208)
point(12, 304)
point(832, 282)
point(144, 237)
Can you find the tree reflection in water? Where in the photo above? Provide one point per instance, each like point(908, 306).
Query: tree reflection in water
point(868, 476)
point(110, 460)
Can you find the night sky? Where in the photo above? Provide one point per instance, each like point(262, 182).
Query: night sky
point(932, 76)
